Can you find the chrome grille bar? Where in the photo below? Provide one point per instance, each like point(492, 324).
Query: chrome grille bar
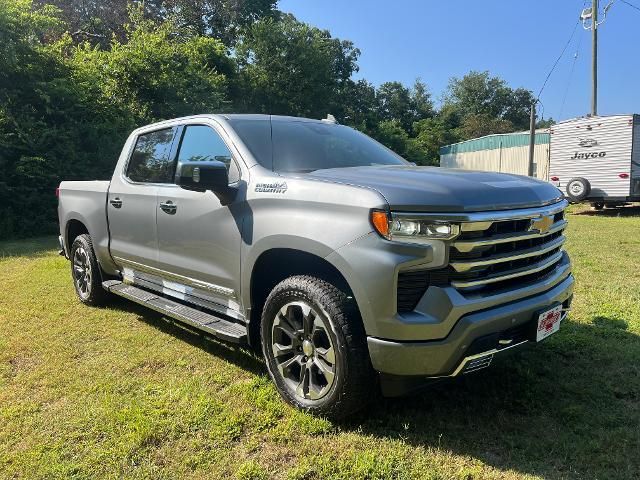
point(509, 275)
point(503, 246)
point(465, 266)
point(465, 246)
point(495, 250)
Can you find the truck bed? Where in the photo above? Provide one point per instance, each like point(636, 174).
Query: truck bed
point(85, 201)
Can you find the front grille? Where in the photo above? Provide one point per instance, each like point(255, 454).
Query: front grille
point(493, 254)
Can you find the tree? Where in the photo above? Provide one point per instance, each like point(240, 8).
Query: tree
point(391, 134)
point(545, 122)
point(65, 110)
point(221, 19)
point(291, 68)
point(155, 73)
point(433, 133)
point(404, 105)
point(481, 124)
point(421, 101)
point(97, 21)
point(488, 104)
point(359, 106)
point(518, 108)
point(41, 119)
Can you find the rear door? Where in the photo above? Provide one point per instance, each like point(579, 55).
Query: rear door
point(132, 196)
point(199, 238)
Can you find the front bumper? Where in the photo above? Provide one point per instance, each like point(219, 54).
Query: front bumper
point(474, 334)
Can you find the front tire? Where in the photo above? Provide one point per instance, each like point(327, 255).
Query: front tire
point(315, 348)
point(85, 272)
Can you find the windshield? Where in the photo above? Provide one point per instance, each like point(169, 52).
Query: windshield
point(300, 146)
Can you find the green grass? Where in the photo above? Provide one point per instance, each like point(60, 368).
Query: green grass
point(118, 392)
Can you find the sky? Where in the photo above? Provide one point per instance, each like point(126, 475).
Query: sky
point(514, 39)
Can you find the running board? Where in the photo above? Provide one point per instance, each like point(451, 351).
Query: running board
point(216, 326)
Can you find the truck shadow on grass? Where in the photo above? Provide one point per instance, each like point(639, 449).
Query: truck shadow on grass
point(568, 409)
point(243, 356)
point(632, 211)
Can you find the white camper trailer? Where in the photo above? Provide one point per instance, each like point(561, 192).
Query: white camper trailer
point(597, 159)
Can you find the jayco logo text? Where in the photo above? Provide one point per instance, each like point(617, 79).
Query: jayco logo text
point(588, 155)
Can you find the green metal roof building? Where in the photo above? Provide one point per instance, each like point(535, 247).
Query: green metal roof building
point(505, 152)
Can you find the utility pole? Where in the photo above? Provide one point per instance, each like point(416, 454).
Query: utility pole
point(532, 136)
point(594, 57)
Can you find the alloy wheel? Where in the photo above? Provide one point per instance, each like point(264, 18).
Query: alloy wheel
point(82, 271)
point(303, 350)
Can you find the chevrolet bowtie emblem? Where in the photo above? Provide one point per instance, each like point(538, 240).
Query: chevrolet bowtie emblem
point(541, 224)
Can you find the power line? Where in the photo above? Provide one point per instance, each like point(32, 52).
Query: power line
point(558, 59)
point(573, 66)
point(630, 4)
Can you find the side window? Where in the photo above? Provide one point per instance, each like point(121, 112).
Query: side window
point(150, 161)
point(202, 143)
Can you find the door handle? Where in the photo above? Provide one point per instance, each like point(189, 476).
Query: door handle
point(116, 202)
point(169, 207)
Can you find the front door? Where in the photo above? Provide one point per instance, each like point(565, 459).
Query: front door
point(132, 199)
point(198, 237)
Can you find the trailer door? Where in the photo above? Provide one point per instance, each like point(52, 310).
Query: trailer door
point(635, 158)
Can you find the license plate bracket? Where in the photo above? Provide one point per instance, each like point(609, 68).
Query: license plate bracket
point(547, 322)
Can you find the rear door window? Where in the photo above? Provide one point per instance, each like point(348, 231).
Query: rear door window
point(150, 161)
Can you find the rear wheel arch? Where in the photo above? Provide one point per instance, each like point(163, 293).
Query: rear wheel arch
point(73, 230)
point(277, 264)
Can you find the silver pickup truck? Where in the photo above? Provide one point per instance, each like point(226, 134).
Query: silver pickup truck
point(352, 269)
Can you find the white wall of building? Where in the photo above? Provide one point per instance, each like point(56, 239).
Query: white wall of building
point(505, 160)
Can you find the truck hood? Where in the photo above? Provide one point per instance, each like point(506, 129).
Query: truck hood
point(412, 188)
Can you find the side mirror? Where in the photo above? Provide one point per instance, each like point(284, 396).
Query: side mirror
point(202, 176)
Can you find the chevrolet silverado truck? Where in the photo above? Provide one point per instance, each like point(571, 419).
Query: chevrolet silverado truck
point(353, 270)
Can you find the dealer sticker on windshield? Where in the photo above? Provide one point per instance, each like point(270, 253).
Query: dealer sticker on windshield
point(549, 322)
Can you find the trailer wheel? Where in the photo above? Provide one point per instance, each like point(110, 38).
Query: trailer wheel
point(598, 205)
point(578, 189)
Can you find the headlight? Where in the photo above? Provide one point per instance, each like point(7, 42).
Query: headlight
point(409, 228)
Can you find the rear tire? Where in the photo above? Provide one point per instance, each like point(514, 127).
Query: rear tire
point(85, 272)
point(598, 205)
point(314, 345)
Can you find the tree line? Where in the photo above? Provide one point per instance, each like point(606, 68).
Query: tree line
point(76, 76)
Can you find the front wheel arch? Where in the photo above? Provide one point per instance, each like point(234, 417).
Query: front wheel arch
point(277, 264)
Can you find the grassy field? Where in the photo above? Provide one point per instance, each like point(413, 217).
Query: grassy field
point(118, 392)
